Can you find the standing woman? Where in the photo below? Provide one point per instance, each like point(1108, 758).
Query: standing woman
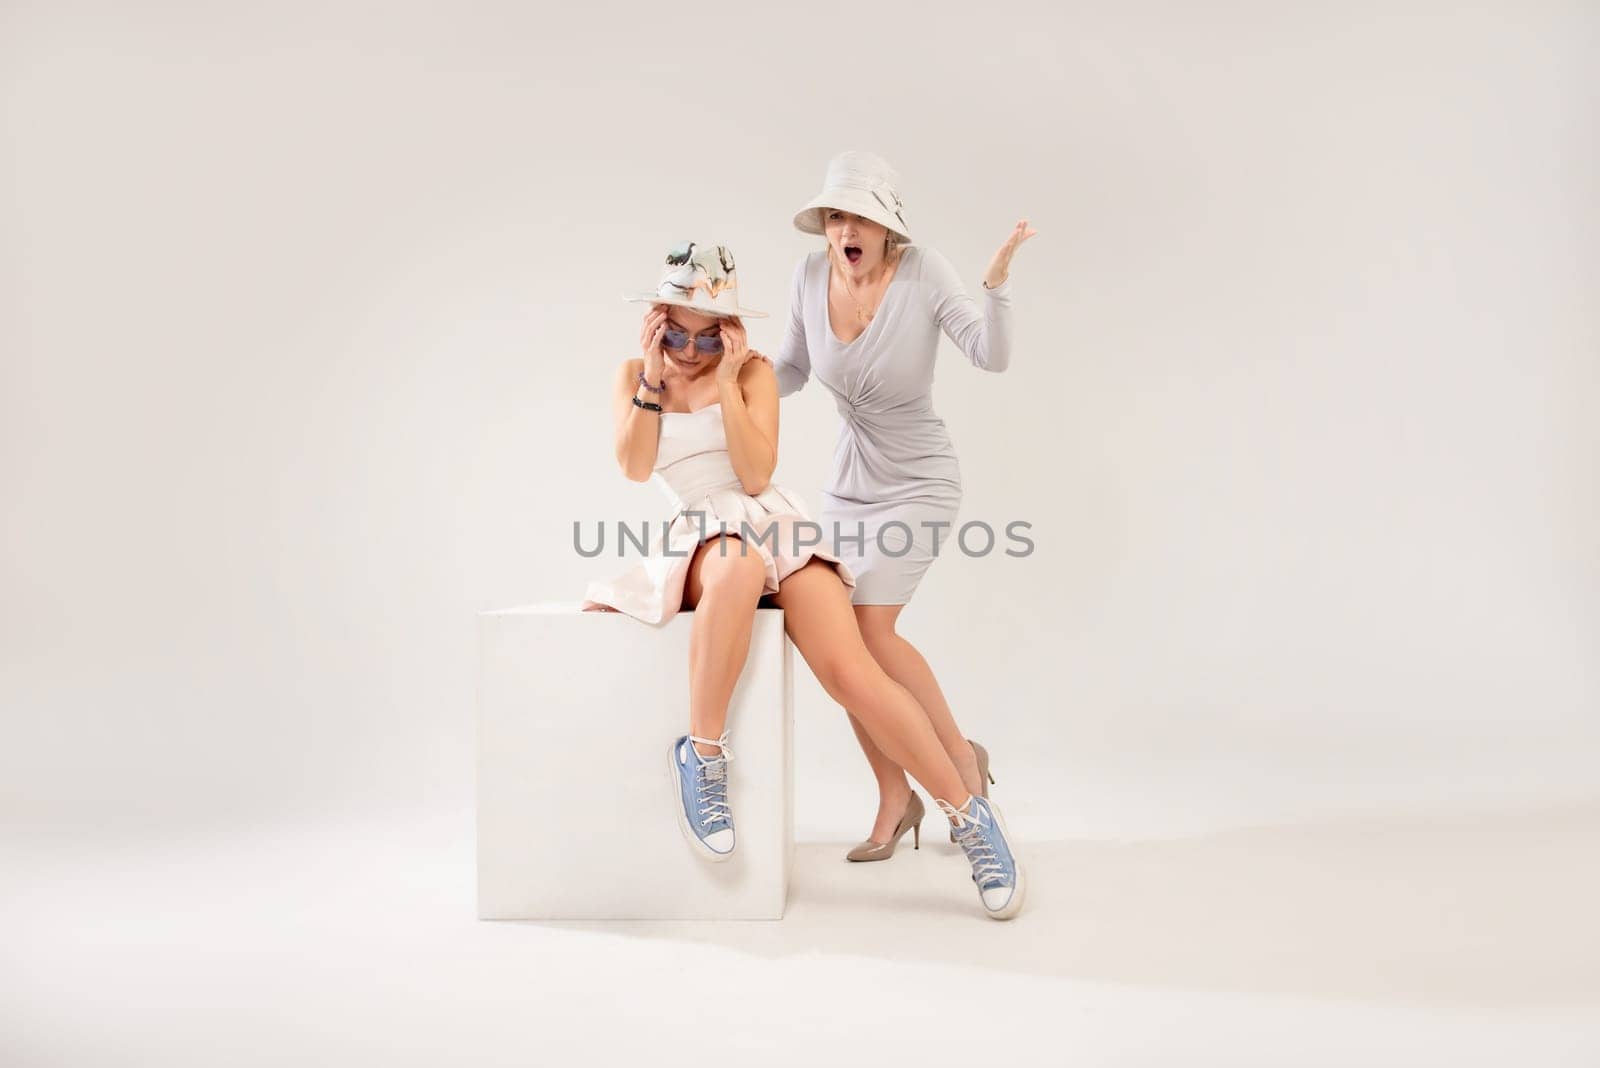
point(865, 317)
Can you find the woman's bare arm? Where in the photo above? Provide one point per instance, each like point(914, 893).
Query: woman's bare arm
point(638, 430)
point(750, 420)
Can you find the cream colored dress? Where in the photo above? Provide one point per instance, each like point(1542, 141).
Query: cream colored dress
point(693, 467)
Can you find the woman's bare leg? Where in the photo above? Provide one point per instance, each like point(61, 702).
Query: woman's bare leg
point(905, 665)
point(894, 792)
point(818, 618)
point(723, 588)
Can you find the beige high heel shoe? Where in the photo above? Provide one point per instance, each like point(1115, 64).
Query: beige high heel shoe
point(911, 821)
point(984, 778)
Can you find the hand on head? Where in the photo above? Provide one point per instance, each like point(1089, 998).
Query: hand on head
point(650, 335)
point(735, 349)
point(687, 342)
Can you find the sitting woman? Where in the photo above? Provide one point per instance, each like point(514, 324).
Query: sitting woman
point(703, 421)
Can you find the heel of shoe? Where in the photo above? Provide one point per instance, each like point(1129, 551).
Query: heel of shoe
point(916, 835)
point(983, 764)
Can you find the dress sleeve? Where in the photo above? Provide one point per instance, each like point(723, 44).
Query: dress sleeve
point(793, 362)
point(985, 336)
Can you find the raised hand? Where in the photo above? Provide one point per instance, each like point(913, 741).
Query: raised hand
point(650, 335)
point(1000, 266)
point(735, 350)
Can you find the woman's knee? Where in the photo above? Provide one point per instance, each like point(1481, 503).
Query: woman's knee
point(877, 631)
point(878, 641)
point(729, 566)
point(853, 681)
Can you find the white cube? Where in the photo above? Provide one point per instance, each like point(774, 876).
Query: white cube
point(577, 809)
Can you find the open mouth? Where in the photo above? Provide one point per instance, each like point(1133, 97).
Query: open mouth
point(852, 253)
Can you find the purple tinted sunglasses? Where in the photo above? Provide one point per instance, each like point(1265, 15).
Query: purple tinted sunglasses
point(676, 340)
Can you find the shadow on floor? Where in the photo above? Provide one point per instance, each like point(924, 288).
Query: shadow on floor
point(1490, 908)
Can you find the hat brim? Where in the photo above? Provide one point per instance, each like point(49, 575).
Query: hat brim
point(720, 313)
point(857, 202)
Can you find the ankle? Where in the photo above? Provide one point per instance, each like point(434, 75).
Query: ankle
point(894, 791)
point(965, 808)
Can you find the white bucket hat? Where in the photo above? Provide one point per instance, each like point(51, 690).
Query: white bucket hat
point(701, 278)
point(862, 184)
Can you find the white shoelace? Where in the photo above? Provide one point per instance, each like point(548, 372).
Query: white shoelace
point(711, 783)
point(975, 844)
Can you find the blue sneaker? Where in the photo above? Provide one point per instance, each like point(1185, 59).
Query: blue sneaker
point(981, 834)
point(702, 786)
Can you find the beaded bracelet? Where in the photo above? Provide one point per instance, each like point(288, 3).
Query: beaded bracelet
point(653, 389)
point(637, 403)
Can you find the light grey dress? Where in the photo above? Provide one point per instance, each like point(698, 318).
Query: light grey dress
point(894, 467)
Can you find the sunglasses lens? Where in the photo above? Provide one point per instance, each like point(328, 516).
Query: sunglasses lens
point(709, 345)
point(674, 339)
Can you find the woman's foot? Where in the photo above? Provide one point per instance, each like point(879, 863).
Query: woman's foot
point(980, 830)
point(701, 785)
point(892, 802)
point(910, 821)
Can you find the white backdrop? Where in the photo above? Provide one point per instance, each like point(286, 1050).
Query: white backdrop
point(310, 312)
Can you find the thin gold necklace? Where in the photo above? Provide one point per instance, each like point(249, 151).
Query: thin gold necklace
point(862, 315)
